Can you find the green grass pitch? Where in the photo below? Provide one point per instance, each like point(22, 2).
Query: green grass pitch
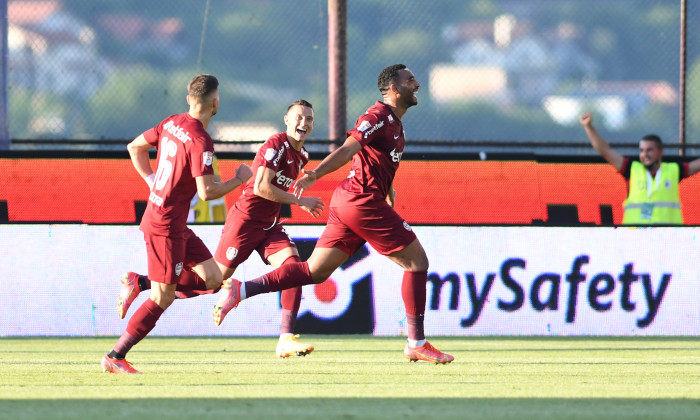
point(354, 377)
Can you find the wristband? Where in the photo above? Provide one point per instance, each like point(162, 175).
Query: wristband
point(150, 180)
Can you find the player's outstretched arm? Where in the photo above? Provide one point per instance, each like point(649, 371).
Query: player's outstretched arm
point(138, 150)
point(599, 143)
point(313, 205)
point(208, 188)
point(336, 160)
point(265, 188)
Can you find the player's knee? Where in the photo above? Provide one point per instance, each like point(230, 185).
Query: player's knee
point(419, 260)
point(213, 279)
point(320, 274)
point(163, 299)
point(318, 279)
point(417, 263)
point(422, 264)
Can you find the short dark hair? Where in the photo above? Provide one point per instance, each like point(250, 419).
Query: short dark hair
point(202, 86)
point(302, 102)
point(388, 76)
point(654, 138)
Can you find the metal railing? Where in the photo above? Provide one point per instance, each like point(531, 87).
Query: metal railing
point(496, 74)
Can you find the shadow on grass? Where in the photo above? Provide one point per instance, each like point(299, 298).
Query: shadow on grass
point(349, 408)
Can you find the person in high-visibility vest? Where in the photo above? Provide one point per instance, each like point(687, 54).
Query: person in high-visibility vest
point(652, 185)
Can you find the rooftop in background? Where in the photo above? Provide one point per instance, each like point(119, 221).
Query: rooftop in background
point(31, 12)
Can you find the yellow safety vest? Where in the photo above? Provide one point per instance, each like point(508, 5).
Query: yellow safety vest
point(653, 200)
point(208, 211)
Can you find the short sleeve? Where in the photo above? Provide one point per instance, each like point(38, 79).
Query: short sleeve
point(271, 154)
point(152, 135)
point(202, 156)
point(366, 128)
point(304, 157)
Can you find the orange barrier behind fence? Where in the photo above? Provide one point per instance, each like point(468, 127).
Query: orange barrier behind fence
point(428, 192)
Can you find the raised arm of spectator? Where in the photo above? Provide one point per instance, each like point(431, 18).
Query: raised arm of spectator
point(599, 143)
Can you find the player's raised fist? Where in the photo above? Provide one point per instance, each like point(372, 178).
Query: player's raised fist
point(243, 172)
point(586, 119)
